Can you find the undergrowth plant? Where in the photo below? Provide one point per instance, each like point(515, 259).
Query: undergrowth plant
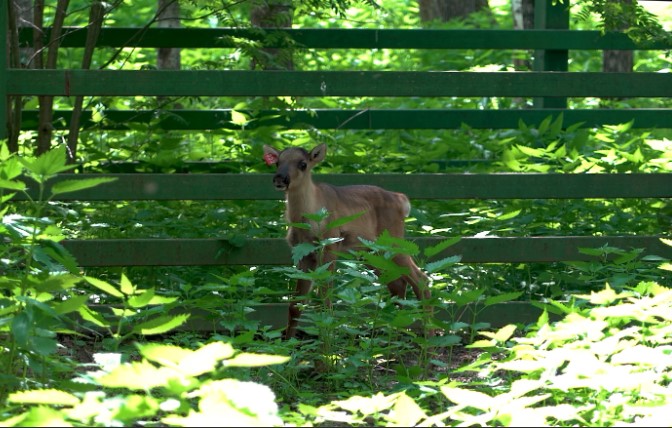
point(42, 289)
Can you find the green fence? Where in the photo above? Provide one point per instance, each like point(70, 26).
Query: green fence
point(550, 84)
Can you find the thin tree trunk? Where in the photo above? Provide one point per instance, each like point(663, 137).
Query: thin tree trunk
point(273, 14)
point(445, 10)
point(45, 127)
point(523, 19)
point(16, 14)
point(96, 15)
point(168, 16)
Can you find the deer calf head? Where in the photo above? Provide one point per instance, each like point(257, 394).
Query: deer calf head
point(294, 165)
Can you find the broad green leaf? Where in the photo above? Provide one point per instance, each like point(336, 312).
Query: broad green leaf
point(441, 246)
point(93, 317)
point(53, 397)
point(163, 354)
point(343, 220)
point(47, 164)
point(667, 242)
point(504, 333)
point(12, 185)
point(21, 328)
point(125, 285)
point(407, 413)
point(67, 186)
point(238, 118)
point(509, 215)
point(142, 300)
point(104, 287)
point(162, 300)
point(71, 305)
point(468, 398)
point(442, 264)
point(444, 341)
point(245, 359)
point(140, 375)
point(205, 358)
point(500, 298)
point(160, 325)
point(666, 266)
point(302, 250)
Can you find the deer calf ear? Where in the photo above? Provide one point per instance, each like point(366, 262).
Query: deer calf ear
point(318, 153)
point(270, 155)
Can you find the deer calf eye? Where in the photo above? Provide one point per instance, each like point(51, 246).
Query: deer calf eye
point(303, 165)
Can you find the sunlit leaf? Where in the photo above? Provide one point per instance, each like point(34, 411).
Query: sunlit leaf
point(406, 412)
point(67, 186)
point(245, 359)
point(12, 185)
point(104, 286)
point(142, 300)
point(468, 398)
point(139, 375)
point(44, 396)
point(125, 285)
point(161, 324)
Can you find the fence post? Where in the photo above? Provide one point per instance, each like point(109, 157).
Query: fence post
point(4, 61)
point(549, 16)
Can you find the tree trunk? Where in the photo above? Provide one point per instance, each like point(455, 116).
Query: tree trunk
point(272, 14)
point(523, 19)
point(96, 15)
point(168, 16)
point(617, 61)
point(445, 10)
point(20, 15)
point(45, 126)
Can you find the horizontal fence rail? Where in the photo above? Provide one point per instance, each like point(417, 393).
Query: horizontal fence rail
point(335, 83)
point(195, 120)
point(349, 38)
point(275, 251)
point(218, 186)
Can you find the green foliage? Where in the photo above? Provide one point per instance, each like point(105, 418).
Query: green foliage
point(42, 287)
point(175, 385)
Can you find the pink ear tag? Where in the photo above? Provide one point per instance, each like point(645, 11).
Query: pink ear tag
point(270, 159)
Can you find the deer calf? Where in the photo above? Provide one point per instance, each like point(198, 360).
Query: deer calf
point(380, 210)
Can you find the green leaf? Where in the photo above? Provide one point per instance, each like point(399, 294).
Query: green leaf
point(12, 185)
point(468, 398)
point(164, 354)
point(441, 246)
point(47, 164)
point(343, 220)
point(509, 215)
point(238, 118)
point(67, 186)
point(71, 305)
point(245, 359)
point(302, 250)
point(406, 412)
point(137, 376)
point(142, 300)
point(52, 397)
point(161, 324)
point(92, 316)
point(504, 333)
point(125, 285)
point(500, 298)
point(442, 264)
point(104, 287)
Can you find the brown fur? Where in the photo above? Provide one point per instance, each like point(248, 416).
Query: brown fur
point(382, 210)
